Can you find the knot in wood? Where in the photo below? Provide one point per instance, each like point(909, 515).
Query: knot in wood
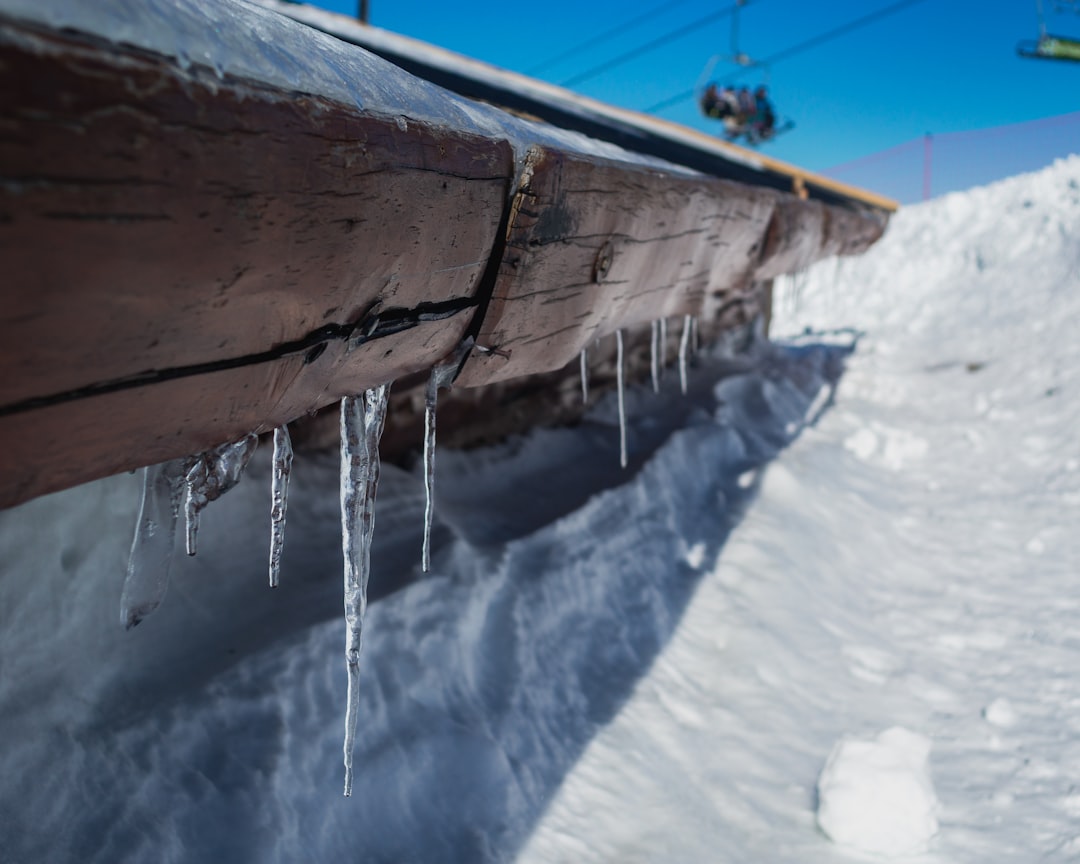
point(604, 256)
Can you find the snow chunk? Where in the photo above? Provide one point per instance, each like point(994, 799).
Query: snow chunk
point(695, 556)
point(862, 444)
point(747, 478)
point(1000, 713)
point(877, 796)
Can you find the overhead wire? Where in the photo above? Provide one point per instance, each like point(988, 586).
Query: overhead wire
point(799, 48)
point(652, 44)
point(607, 35)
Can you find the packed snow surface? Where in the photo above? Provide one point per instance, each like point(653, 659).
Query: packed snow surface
point(651, 664)
point(909, 561)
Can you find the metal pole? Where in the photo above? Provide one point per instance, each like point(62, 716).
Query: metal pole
point(928, 153)
point(362, 14)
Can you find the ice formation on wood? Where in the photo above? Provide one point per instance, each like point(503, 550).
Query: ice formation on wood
point(152, 547)
point(655, 356)
point(362, 420)
point(279, 497)
point(684, 346)
point(622, 396)
point(441, 376)
point(213, 474)
point(584, 377)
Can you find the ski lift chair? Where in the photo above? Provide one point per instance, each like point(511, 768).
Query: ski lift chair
point(1047, 46)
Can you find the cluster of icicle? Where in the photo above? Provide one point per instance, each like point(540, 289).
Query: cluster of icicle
point(189, 484)
point(687, 344)
point(192, 482)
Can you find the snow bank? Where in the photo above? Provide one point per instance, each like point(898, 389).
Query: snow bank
point(877, 796)
point(213, 730)
point(907, 562)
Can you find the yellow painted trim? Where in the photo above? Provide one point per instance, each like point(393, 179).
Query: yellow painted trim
point(800, 177)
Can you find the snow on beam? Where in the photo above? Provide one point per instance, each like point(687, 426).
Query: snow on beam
point(565, 109)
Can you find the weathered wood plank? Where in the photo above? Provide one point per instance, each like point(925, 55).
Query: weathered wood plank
point(795, 237)
point(594, 246)
point(155, 222)
point(62, 445)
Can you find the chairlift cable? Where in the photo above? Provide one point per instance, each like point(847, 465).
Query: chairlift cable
point(617, 30)
point(842, 30)
point(800, 48)
point(651, 45)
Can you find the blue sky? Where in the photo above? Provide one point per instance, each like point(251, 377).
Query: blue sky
point(938, 66)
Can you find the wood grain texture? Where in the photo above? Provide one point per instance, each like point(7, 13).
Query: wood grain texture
point(593, 247)
point(62, 445)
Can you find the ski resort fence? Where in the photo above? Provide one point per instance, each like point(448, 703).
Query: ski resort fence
point(936, 164)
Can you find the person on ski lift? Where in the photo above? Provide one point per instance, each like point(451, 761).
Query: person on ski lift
point(747, 106)
point(763, 121)
point(742, 109)
point(710, 102)
point(718, 104)
point(730, 98)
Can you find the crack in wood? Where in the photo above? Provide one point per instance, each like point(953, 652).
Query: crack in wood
point(373, 324)
point(111, 218)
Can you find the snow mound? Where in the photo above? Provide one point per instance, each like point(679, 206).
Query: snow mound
point(877, 796)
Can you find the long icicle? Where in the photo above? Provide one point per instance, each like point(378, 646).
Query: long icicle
point(441, 376)
point(150, 561)
point(622, 396)
point(663, 343)
point(279, 499)
point(684, 344)
point(584, 377)
point(656, 356)
point(362, 419)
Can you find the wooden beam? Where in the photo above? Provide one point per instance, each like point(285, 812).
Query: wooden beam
point(158, 224)
point(191, 254)
point(595, 246)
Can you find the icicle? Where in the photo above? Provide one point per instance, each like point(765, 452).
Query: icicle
point(362, 419)
point(622, 397)
point(214, 473)
point(656, 356)
point(584, 377)
point(155, 536)
point(279, 499)
point(695, 347)
point(684, 344)
point(441, 376)
point(663, 342)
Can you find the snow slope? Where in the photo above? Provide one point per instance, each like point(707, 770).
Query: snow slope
point(643, 666)
point(213, 731)
point(911, 560)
